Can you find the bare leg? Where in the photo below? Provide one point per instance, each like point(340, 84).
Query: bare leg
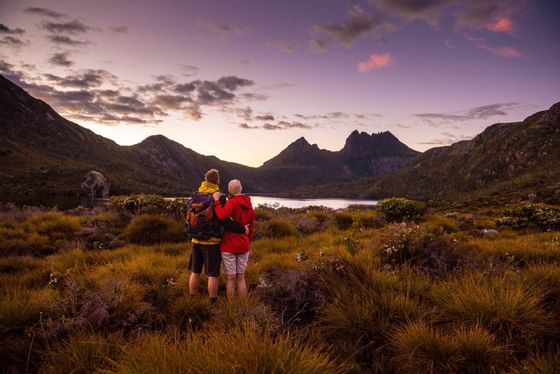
point(194, 280)
point(230, 286)
point(241, 285)
point(213, 287)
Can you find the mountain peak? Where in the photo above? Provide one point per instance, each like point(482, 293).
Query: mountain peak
point(359, 144)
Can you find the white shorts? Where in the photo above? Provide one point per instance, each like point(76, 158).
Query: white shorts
point(235, 263)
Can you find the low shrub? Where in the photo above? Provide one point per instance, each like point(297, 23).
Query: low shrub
point(307, 225)
point(532, 215)
point(277, 228)
point(293, 295)
point(152, 229)
point(433, 254)
point(343, 221)
point(398, 209)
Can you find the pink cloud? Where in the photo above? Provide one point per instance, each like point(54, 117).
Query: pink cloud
point(502, 24)
point(504, 51)
point(376, 61)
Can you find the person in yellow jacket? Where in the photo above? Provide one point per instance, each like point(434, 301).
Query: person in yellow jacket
point(206, 252)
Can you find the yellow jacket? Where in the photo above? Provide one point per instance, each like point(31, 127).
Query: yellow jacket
point(208, 188)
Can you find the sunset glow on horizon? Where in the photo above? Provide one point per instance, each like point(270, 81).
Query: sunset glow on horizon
point(241, 81)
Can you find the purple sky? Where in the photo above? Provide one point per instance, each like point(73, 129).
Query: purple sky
point(243, 79)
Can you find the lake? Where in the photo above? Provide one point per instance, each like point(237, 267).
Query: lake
point(277, 202)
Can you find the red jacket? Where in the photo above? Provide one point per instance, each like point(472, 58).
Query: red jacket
point(240, 208)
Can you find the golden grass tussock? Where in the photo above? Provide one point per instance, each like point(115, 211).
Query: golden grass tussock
point(240, 350)
point(522, 249)
point(152, 229)
point(84, 352)
point(512, 312)
point(20, 307)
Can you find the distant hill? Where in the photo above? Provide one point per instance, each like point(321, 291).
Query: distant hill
point(506, 159)
point(43, 153)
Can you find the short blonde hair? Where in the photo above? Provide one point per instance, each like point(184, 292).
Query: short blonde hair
point(212, 176)
point(234, 187)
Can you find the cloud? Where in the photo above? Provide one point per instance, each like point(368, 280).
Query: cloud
point(71, 27)
point(189, 70)
point(490, 15)
point(171, 101)
point(449, 44)
point(357, 24)
point(281, 125)
point(12, 41)
point(6, 30)
point(222, 28)
point(269, 126)
point(265, 117)
point(61, 59)
point(427, 10)
point(89, 78)
point(375, 62)
point(282, 46)
point(44, 12)
point(232, 83)
point(446, 139)
point(247, 127)
point(319, 46)
point(503, 51)
point(251, 96)
point(97, 95)
point(65, 40)
point(119, 29)
point(483, 112)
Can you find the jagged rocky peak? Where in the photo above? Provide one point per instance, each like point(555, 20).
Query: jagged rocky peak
point(361, 143)
point(301, 145)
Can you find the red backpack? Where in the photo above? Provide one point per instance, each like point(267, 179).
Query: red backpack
point(200, 221)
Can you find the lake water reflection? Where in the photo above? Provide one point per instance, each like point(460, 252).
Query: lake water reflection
point(302, 203)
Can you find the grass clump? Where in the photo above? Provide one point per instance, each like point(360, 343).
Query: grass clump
point(421, 349)
point(512, 312)
point(84, 352)
point(20, 307)
point(153, 229)
point(277, 228)
point(241, 350)
point(343, 221)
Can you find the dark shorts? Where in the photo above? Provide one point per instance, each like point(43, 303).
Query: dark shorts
point(208, 256)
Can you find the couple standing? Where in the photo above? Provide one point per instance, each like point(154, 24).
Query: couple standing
point(229, 241)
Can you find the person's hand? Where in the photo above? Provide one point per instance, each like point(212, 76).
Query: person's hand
point(216, 195)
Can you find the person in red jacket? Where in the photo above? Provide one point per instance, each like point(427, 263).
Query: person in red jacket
point(235, 247)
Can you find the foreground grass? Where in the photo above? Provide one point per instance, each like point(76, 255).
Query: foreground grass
point(328, 293)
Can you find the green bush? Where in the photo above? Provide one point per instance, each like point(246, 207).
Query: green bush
point(151, 229)
point(277, 228)
point(343, 221)
point(398, 209)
